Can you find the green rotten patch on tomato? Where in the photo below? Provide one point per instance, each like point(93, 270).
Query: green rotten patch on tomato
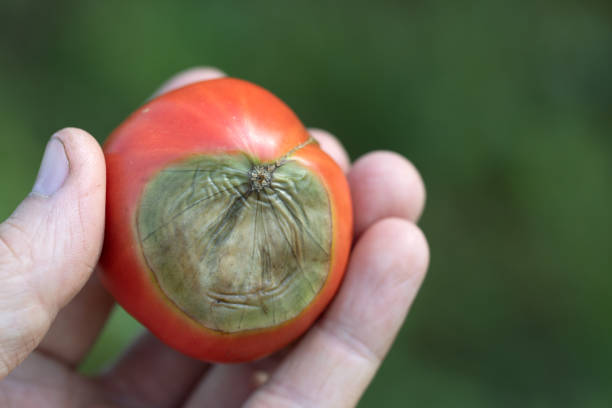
point(228, 229)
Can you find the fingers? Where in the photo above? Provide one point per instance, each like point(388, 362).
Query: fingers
point(189, 76)
point(332, 147)
point(334, 363)
point(51, 242)
point(152, 374)
point(384, 184)
point(77, 325)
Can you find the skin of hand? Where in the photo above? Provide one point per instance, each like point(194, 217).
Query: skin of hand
point(52, 307)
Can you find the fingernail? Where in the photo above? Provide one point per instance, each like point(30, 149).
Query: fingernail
point(53, 169)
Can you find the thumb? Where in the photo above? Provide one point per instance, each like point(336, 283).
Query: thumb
point(50, 244)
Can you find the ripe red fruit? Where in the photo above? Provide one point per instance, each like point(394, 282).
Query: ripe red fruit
point(227, 229)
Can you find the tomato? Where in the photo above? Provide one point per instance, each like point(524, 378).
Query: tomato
point(227, 229)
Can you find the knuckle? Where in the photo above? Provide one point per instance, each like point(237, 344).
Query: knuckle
point(347, 339)
point(278, 394)
point(5, 366)
point(15, 245)
point(7, 252)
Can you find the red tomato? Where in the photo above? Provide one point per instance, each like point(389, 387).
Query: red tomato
point(227, 229)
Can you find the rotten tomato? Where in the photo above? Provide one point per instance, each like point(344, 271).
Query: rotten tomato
point(228, 229)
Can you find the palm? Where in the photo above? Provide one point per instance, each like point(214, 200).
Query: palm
point(330, 366)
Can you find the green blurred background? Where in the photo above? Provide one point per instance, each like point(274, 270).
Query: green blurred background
point(505, 106)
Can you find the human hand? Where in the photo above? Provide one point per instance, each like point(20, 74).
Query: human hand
point(51, 243)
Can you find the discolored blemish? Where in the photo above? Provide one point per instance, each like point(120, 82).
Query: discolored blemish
point(237, 245)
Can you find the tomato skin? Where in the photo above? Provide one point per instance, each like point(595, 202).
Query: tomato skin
point(217, 116)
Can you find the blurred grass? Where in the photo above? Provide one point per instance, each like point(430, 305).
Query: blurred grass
point(505, 106)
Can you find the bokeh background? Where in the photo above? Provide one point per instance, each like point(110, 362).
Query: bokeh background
point(504, 105)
